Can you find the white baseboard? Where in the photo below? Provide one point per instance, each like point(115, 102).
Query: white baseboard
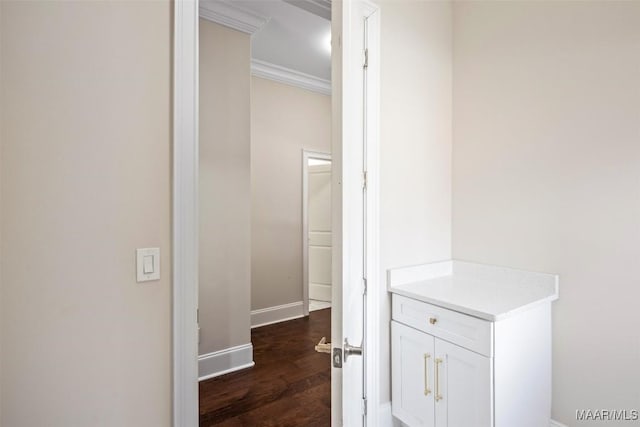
point(385, 419)
point(320, 292)
point(279, 313)
point(551, 424)
point(225, 361)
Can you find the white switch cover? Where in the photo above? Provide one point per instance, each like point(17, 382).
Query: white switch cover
point(148, 264)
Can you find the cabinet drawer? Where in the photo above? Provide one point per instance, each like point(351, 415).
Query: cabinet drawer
point(457, 328)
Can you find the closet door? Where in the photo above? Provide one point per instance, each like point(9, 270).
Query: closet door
point(319, 239)
point(412, 381)
point(463, 390)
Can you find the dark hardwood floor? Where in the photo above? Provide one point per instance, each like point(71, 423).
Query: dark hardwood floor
point(290, 385)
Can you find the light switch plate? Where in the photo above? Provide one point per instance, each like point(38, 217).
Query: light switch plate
point(152, 257)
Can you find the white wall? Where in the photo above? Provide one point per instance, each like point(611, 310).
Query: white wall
point(225, 199)
point(85, 101)
point(284, 121)
point(415, 126)
point(547, 173)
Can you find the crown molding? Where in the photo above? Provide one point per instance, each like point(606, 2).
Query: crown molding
point(321, 8)
point(280, 74)
point(229, 14)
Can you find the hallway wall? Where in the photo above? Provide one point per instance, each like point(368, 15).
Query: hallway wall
point(284, 121)
point(225, 198)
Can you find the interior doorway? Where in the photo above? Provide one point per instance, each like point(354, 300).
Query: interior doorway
point(347, 41)
point(264, 98)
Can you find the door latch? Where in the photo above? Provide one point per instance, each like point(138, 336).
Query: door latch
point(351, 350)
point(337, 357)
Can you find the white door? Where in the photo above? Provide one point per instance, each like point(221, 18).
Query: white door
point(412, 383)
point(319, 225)
point(463, 387)
point(351, 265)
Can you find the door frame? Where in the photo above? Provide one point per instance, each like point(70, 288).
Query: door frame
point(185, 218)
point(185, 214)
point(306, 155)
point(377, 295)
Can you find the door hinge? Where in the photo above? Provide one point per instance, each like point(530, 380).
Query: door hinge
point(364, 180)
point(366, 59)
point(364, 406)
point(364, 286)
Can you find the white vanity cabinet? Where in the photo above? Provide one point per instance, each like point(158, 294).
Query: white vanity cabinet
point(485, 363)
point(436, 380)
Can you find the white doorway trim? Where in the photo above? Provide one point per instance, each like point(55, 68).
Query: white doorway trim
point(185, 214)
point(306, 155)
point(379, 415)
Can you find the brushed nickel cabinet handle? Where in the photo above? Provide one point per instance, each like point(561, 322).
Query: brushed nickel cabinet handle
point(427, 391)
point(438, 397)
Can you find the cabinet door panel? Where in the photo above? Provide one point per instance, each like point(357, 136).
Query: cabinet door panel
point(412, 379)
point(465, 386)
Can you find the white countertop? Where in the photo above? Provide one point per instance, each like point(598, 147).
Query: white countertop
point(488, 292)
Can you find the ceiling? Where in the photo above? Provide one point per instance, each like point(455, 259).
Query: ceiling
point(296, 35)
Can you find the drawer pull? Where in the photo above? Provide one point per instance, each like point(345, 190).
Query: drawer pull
point(438, 397)
point(433, 320)
point(427, 391)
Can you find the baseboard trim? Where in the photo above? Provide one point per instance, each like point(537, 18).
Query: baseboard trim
point(225, 361)
point(319, 291)
point(279, 313)
point(385, 419)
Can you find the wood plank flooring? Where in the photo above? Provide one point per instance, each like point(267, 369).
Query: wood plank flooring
point(290, 385)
